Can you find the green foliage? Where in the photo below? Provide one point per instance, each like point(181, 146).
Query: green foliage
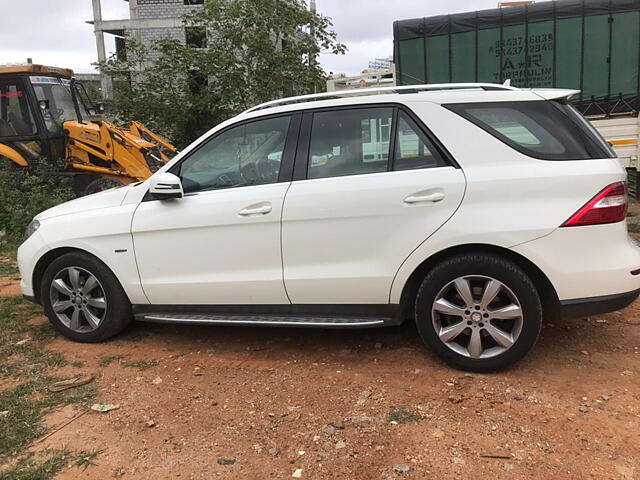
point(25, 360)
point(8, 267)
point(254, 51)
point(86, 458)
point(25, 192)
point(33, 467)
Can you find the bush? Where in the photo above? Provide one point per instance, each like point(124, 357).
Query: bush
point(25, 192)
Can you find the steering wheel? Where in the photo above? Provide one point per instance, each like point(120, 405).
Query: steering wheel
point(54, 114)
point(228, 179)
point(267, 170)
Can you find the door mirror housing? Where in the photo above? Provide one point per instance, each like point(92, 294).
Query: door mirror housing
point(165, 186)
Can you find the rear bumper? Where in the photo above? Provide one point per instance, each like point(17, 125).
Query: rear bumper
point(583, 307)
point(586, 262)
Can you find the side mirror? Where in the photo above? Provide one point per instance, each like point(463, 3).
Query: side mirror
point(43, 105)
point(164, 186)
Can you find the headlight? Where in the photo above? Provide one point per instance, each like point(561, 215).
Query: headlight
point(31, 228)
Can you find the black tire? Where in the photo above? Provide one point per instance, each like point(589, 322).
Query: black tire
point(479, 265)
point(100, 184)
point(118, 312)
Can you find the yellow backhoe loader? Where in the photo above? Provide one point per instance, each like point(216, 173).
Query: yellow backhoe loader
point(45, 114)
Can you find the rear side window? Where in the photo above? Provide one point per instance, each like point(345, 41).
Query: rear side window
point(350, 142)
point(361, 140)
point(546, 130)
point(413, 148)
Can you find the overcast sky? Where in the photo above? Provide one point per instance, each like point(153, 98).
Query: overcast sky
point(54, 32)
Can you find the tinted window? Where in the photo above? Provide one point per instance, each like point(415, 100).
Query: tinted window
point(539, 129)
point(350, 142)
point(413, 148)
point(249, 154)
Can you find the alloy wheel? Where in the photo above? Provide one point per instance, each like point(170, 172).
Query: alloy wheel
point(477, 316)
point(78, 299)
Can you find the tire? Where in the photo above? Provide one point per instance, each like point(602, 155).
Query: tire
point(100, 184)
point(453, 328)
point(84, 320)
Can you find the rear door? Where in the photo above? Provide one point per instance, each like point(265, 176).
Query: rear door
point(370, 185)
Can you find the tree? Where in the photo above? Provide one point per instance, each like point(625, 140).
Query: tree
point(239, 53)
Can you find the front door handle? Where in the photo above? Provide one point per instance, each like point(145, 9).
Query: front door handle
point(430, 197)
point(261, 210)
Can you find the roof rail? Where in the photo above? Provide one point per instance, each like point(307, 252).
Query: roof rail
point(380, 90)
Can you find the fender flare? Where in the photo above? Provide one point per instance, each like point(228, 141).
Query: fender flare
point(11, 154)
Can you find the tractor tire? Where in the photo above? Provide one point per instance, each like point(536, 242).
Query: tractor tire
point(101, 184)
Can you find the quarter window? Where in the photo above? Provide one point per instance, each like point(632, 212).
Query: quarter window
point(249, 154)
point(349, 142)
point(540, 129)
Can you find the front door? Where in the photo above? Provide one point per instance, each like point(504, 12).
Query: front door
point(220, 244)
point(374, 187)
point(18, 128)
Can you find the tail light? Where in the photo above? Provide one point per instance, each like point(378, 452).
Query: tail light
point(608, 206)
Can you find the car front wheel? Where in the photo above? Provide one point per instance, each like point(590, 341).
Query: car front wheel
point(479, 312)
point(83, 299)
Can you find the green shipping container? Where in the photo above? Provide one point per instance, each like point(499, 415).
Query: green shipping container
point(587, 45)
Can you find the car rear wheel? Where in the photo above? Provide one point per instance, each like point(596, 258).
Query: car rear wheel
point(479, 312)
point(83, 299)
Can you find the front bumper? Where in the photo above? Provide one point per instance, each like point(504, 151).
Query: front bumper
point(583, 307)
point(28, 254)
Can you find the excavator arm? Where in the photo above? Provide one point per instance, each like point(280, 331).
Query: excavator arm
point(141, 131)
point(100, 147)
point(11, 154)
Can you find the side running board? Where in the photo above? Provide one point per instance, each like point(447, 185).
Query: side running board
point(266, 320)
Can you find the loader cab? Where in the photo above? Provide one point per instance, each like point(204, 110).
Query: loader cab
point(35, 101)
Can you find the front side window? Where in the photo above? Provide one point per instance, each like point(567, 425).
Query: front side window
point(349, 142)
point(540, 129)
point(249, 154)
point(15, 113)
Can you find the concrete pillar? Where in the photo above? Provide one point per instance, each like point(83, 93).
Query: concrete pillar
point(106, 83)
point(133, 9)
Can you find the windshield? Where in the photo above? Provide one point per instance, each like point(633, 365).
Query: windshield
point(61, 105)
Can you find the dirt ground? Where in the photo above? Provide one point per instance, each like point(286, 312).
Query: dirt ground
point(223, 402)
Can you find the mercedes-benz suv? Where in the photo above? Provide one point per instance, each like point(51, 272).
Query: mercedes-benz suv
point(474, 210)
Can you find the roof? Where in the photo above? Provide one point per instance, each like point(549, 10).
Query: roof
point(494, 18)
point(436, 93)
point(34, 68)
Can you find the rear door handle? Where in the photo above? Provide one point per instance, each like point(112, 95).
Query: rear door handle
point(261, 210)
point(431, 197)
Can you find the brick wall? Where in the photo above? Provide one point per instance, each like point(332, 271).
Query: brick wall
point(148, 9)
point(163, 8)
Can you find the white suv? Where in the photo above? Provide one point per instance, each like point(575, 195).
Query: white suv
point(474, 209)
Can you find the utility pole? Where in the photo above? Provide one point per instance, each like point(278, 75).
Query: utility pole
point(312, 31)
point(106, 84)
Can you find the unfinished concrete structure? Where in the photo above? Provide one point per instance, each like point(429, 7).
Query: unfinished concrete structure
point(149, 21)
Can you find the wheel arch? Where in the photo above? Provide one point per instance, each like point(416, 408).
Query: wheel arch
point(548, 295)
point(48, 258)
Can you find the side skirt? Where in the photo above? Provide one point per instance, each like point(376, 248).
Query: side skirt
point(313, 316)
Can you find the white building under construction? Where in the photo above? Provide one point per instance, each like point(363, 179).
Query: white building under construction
point(149, 21)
